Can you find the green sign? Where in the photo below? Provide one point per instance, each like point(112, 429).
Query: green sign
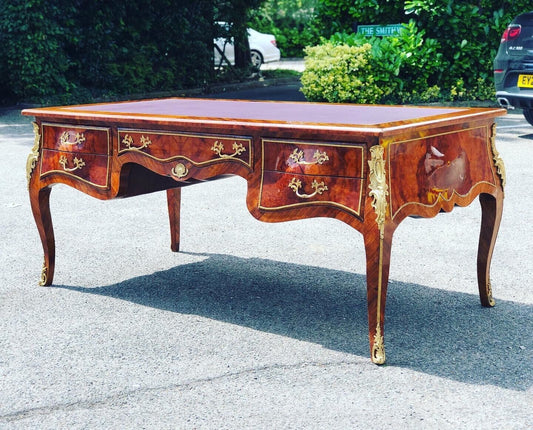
point(380, 30)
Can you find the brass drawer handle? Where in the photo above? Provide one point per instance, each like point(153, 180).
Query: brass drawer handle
point(179, 171)
point(318, 158)
point(130, 144)
point(218, 148)
point(296, 184)
point(65, 139)
point(78, 163)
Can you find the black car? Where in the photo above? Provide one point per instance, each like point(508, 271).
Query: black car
point(513, 66)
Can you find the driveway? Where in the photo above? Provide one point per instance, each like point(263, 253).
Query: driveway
point(296, 64)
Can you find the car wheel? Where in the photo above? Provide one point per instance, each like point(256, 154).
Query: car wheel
point(256, 58)
point(528, 113)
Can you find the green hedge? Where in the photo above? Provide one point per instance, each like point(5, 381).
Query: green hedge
point(33, 61)
point(63, 50)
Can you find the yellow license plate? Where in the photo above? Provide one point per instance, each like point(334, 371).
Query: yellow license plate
point(525, 81)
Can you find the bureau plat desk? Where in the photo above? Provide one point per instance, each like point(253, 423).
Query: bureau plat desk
point(368, 166)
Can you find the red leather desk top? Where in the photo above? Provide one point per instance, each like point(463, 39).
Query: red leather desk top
point(257, 111)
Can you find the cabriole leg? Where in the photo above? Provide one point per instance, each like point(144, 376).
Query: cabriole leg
point(174, 206)
point(378, 251)
point(491, 214)
point(40, 205)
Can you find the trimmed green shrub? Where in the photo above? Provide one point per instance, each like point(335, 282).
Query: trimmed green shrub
point(335, 73)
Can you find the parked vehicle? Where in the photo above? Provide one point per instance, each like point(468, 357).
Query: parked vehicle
point(513, 66)
point(263, 49)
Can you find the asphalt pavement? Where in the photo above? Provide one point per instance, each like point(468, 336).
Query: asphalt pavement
point(254, 325)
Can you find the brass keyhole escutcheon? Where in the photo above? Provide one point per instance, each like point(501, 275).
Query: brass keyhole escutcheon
point(179, 170)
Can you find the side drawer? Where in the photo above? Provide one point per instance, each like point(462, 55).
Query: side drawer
point(287, 190)
point(89, 140)
point(199, 149)
point(90, 168)
point(313, 158)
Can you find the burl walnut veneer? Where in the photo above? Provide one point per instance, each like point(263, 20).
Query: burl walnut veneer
point(368, 166)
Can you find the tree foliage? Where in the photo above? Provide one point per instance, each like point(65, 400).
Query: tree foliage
point(235, 13)
point(445, 51)
point(343, 15)
point(468, 32)
point(294, 23)
point(393, 69)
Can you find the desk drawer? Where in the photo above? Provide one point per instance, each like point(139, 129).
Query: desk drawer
point(286, 190)
point(88, 140)
point(90, 168)
point(197, 148)
point(313, 158)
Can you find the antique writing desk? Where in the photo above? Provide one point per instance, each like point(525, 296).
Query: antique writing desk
point(369, 166)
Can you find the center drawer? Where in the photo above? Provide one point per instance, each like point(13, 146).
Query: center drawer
point(199, 149)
